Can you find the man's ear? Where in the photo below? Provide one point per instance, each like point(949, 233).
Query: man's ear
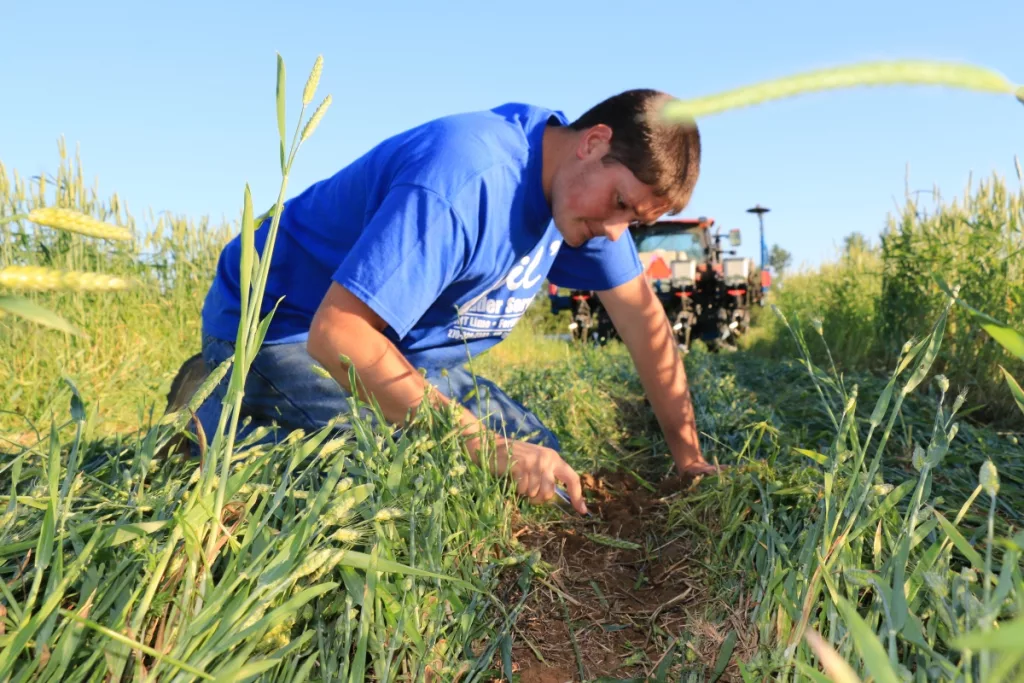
point(595, 140)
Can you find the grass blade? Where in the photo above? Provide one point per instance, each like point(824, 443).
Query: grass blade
point(1015, 390)
point(33, 312)
point(870, 649)
point(280, 106)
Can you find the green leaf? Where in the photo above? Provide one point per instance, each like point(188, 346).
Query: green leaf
point(18, 640)
point(280, 104)
point(1018, 393)
point(248, 250)
point(135, 645)
point(129, 532)
point(883, 403)
point(960, 542)
point(890, 502)
point(1008, 636)
point(261, 331)
point(817, 677)
point(817, 457)
point(867, 644)
point(248, 670)
point(724, 654)
point(32, 312)
point(358, 560)
point(661, 673)
point(932, 350)
point(395, 472)
point(365, 617)
point(1007, 337)
point(832, 662)
point(77, 404)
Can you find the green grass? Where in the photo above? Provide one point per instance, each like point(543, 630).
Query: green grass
point(850, 510)
point(852, 490)
point(137, 338)
point(873, 298)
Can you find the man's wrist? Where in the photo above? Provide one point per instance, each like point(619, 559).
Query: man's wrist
point(474, 440)
point(686, 451)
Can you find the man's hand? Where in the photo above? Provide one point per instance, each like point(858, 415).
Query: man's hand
point(344, 325)
point(536, 470)
point(697, 468)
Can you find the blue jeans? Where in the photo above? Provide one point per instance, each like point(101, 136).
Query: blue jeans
point(282, 389)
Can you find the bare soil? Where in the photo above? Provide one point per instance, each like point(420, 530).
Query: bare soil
point(623, 605)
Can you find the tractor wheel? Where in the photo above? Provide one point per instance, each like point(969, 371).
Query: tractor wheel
point(583, 319)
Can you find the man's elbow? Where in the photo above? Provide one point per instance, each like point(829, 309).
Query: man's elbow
point(342, 325)
point(317, 343)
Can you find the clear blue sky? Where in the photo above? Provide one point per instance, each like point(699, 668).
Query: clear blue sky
point(172, 104)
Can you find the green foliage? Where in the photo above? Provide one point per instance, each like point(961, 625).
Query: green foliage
point(866, 526)
point(136, 338)
point(883, 531)
point(870, 300)
point(779, 259)
point(842, 297)
point(976, 243)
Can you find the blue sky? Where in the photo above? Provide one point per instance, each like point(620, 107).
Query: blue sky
point(172, 104)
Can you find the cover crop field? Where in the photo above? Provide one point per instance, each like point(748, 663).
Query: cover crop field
point(867, 522)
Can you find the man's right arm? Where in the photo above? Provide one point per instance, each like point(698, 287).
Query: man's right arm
point(345, 326)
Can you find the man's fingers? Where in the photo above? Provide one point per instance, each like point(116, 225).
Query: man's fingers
point(523, 484)
point(573, 486)
point(703, 468)
point(535, 483)
point(546, 489)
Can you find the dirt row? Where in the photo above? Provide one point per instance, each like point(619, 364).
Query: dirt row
point(609, 611)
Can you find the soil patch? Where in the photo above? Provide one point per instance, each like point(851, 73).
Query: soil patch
point(606, 610)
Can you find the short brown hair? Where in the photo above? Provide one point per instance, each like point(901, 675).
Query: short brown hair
point(665, 156)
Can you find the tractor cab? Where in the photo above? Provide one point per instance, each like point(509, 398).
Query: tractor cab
point(672, 251)
point(705, 288)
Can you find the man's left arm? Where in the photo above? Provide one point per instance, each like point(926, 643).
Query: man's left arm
point(640, 320)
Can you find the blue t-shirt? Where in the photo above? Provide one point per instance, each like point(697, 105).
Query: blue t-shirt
point(443, 230)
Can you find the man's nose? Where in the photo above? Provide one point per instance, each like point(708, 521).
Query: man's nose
point(615, 231)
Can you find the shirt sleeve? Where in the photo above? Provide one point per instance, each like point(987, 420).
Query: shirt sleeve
point(597, 264)
point(409, 252)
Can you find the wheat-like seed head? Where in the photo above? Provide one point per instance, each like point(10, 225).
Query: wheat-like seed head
point(339, 512)
point(42, 279)
point(387, 514)
point(900, 72)
point(988, 479)
point(613, 542)
point(314, 120)
point(73, 221)
point(313, 561)
point(346, 535)
point(314, 79)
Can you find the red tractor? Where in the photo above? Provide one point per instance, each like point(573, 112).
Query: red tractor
point(707, 291)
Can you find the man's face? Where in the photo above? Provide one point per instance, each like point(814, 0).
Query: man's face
point(594, 199)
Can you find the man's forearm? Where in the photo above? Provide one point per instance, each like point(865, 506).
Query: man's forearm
point(382, 372)
point(641, 322)
point(664, 379)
